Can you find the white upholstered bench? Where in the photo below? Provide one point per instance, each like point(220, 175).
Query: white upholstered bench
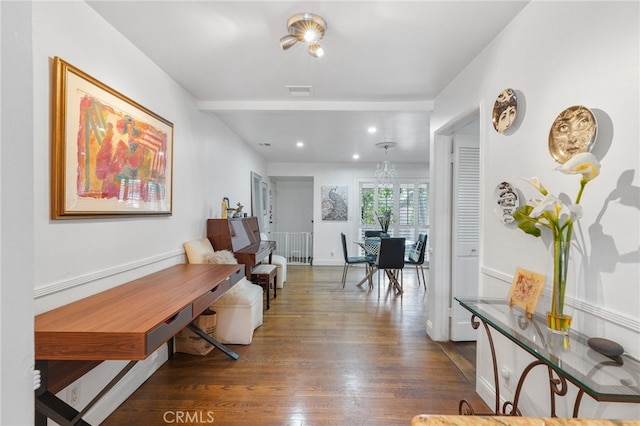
point(239, 310)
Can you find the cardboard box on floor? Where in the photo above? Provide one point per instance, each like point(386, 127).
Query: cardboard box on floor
point(189, 342)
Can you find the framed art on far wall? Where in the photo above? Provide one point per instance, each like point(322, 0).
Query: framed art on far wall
point(335, 202)
point(110, 156)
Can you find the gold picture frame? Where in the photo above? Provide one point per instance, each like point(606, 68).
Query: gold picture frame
point(110, 156)
point(526, 289)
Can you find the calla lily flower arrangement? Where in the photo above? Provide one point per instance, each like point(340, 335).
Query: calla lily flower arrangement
point(559, 217)
point(385, 220)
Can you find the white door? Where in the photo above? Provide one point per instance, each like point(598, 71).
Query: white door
point(465, 233)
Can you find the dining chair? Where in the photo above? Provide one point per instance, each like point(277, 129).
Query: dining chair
point(352, 260)
point(391, 261)
point(416, 257)
point(372, 233)
point(376, 234)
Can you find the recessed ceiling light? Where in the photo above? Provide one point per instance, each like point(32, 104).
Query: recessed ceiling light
point(299, 144)
point(356, 156)
point(372, 129)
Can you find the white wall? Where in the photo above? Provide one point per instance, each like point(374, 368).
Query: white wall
point(556, 53)
point(16, 215)
point(57, 262)
point(560, 54)
point(327, 247)
point(209, 161)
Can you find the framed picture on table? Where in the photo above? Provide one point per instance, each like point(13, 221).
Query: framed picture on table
point(110, 156)
point(526, 289)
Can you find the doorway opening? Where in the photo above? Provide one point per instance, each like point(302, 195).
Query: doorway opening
point(446, 252)
point(290, 217)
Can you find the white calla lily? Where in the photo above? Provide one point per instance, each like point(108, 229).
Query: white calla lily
point(585, 163)
point(551, 212)
point(549, 204)
point(576, 212)
point(569, 214)
point(558, 217)
point(535, 182)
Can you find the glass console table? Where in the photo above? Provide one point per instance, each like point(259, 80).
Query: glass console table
point(567, 358)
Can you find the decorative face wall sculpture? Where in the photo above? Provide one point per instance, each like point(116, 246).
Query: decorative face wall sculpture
point(505, 110)
point(572, 132)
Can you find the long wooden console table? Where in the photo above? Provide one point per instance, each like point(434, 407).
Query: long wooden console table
point(566, 358)
point(127, 322)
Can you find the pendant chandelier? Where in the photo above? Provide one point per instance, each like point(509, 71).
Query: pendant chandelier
point(386, 171)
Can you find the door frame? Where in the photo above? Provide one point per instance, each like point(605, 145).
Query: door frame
point(441, 185)
point(258, 209)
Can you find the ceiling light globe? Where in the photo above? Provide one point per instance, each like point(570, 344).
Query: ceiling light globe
point(306, 28)
point(311, 35)
point(287, 41)
point(316, 50)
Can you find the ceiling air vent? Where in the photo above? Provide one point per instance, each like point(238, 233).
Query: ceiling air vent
point(299, 91)
point(264, 144)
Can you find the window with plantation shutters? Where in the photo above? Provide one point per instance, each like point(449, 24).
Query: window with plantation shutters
point(406, 198)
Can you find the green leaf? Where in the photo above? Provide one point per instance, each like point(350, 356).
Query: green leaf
point(525, 222)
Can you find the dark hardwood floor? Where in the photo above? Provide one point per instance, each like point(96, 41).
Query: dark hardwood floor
point(324, 356)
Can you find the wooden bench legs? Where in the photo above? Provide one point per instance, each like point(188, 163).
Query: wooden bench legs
point(265, 276)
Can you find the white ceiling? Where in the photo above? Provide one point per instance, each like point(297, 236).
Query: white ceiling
point(385, 62)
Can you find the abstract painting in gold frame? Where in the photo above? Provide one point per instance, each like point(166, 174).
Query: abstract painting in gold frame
point(526, 289)
point(110, 156)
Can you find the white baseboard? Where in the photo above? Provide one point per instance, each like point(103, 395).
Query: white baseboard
point(429, 328)
point(129, 383)
point(328, 262)
point(487, 392)
point(97, 378)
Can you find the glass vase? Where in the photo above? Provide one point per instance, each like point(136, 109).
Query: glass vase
point(558, 320)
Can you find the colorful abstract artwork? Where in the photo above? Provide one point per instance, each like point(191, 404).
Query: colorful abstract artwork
point(111, 155)
point(119, 156)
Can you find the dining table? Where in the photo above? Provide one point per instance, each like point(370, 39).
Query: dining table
point(371, 247)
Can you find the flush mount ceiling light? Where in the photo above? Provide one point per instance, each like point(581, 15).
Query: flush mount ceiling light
point(386, 172)
point(305, 28)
